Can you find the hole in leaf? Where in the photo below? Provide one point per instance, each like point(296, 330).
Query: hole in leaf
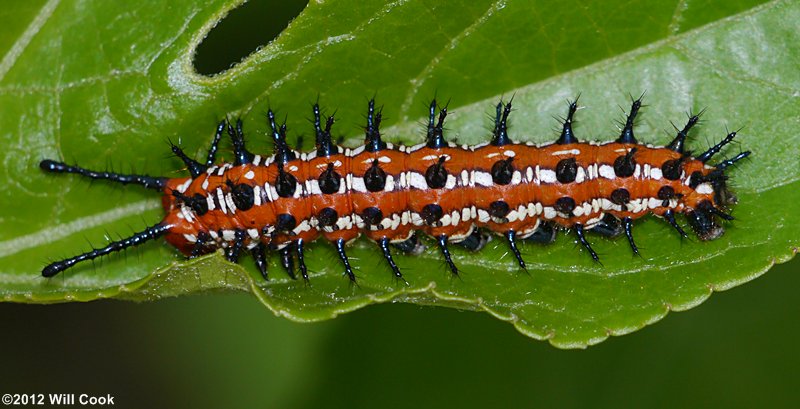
point(244, 31)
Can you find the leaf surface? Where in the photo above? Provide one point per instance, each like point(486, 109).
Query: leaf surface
point(106, 84)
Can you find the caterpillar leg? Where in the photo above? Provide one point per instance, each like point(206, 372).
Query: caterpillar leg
point(200, 245)
point(475, 241)
point(411, 246)
point(544, 233)
point(148, 234)
point(235, 249)
point(608, 226)
point(703, 222)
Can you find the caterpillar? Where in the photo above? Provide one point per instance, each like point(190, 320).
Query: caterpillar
point(454, 194)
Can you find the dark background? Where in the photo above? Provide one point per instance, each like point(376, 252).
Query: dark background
point(737, 350)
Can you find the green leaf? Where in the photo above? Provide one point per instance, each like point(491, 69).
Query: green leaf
point(109, 83)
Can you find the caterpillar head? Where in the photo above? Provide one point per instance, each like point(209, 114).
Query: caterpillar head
point(715, 197)
point(704, 223)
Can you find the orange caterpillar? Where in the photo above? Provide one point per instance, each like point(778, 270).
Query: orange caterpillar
point(452, 193)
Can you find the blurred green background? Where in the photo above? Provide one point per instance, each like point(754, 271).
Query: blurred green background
point(736, 350)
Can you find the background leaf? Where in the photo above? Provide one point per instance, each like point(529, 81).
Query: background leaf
point(85, 94)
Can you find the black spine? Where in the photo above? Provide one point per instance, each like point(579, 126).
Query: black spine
point(287, 260)
point(435, 134)
point(240, 153)
point(500, 134)
point(325, 145)
point(136, 239)
point(150, 182)
point(212, 150)
point(194, 167)
point(387, 254)
point(669, 216)
point(372, 132)
point(511, 236)
point(626, 136)
point(340, 243)
point(282, 152)
point(442, 241)
point(259, 253)
point(301, 259)
point(729, 162)
point(678, 143)
point(567, 136)
point(585, 243)
point(627, 224)
point(705, 156)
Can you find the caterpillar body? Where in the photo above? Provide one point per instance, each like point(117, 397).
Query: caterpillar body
point(452, 193)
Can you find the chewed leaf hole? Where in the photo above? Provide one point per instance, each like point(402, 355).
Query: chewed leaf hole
point(244, 31)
